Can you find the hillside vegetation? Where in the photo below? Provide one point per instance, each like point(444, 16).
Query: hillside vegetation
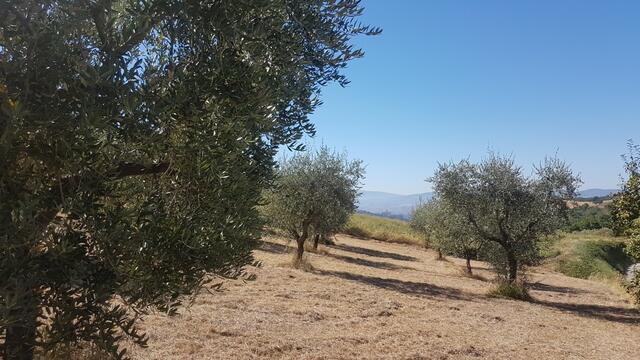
point(590, 254)
point(379, 228)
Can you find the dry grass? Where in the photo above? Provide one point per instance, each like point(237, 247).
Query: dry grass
point(577, 203)
point(368, 299)
point(384, 229)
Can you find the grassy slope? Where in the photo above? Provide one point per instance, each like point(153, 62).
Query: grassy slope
point(590, 254)
point(379, 228)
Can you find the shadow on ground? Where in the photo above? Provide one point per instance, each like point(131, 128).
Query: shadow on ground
point(552, 288)
point(373, 253)
point(404, 287)
point(274, 248)
point(610, 313)
point(364, 262)
point(283, 249)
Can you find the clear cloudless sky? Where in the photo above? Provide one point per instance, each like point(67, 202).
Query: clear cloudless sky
point(448, 80)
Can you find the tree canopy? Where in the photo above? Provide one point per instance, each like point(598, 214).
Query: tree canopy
point(506, 208)
point(315, 190)
point(135, 140)
point(447, 231)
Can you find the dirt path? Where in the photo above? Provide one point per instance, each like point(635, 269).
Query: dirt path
point(372, 300)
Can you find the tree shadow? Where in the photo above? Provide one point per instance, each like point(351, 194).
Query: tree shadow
point(610, 313)
point(404, 287)
point(374, 264)
point(274, 248)
point(558, 289)
point(373, 253)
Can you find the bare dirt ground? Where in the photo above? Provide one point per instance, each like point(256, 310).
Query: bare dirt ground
point(367, 299)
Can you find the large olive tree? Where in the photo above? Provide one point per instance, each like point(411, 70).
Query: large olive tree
point(506, 208)
point(135, 140)
point(314, 190)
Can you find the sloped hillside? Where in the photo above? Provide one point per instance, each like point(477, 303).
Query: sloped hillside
point(366, 299)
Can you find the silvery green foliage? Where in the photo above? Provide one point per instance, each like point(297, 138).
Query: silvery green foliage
point(135, 140)
point(314, 190)
point(505, 207)
point(446, 230)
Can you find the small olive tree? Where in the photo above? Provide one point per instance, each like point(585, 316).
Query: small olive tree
point(423, 217)
point(447, 231)
point(313, 190)
point(506, 208)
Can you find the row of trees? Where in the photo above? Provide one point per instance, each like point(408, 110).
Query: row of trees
point(491, 210)
point(136, 138)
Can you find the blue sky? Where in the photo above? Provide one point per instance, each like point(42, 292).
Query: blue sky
point(448, 80)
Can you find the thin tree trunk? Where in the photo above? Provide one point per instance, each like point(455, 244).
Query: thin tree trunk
point(302, 238)
point(316, 239)
point(512, 264)
point(300, 250)
point(440, 257)
point(21, 337)
point(469, 266)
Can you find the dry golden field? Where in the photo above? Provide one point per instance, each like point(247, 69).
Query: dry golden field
point(366, 299)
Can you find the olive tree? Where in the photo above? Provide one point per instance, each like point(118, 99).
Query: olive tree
point(135, 140)
point(313, 190)
point(423, 218)
point(447, 231)
point(625, 206)
point(504, 207)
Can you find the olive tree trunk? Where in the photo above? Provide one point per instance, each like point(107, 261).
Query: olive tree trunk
point(468, 269)
point(302, 238)
point(512, 266)
point(316, 239)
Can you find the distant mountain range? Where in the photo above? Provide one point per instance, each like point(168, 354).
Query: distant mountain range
point(390, 205)
point(591, 193)
point(401, 206)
